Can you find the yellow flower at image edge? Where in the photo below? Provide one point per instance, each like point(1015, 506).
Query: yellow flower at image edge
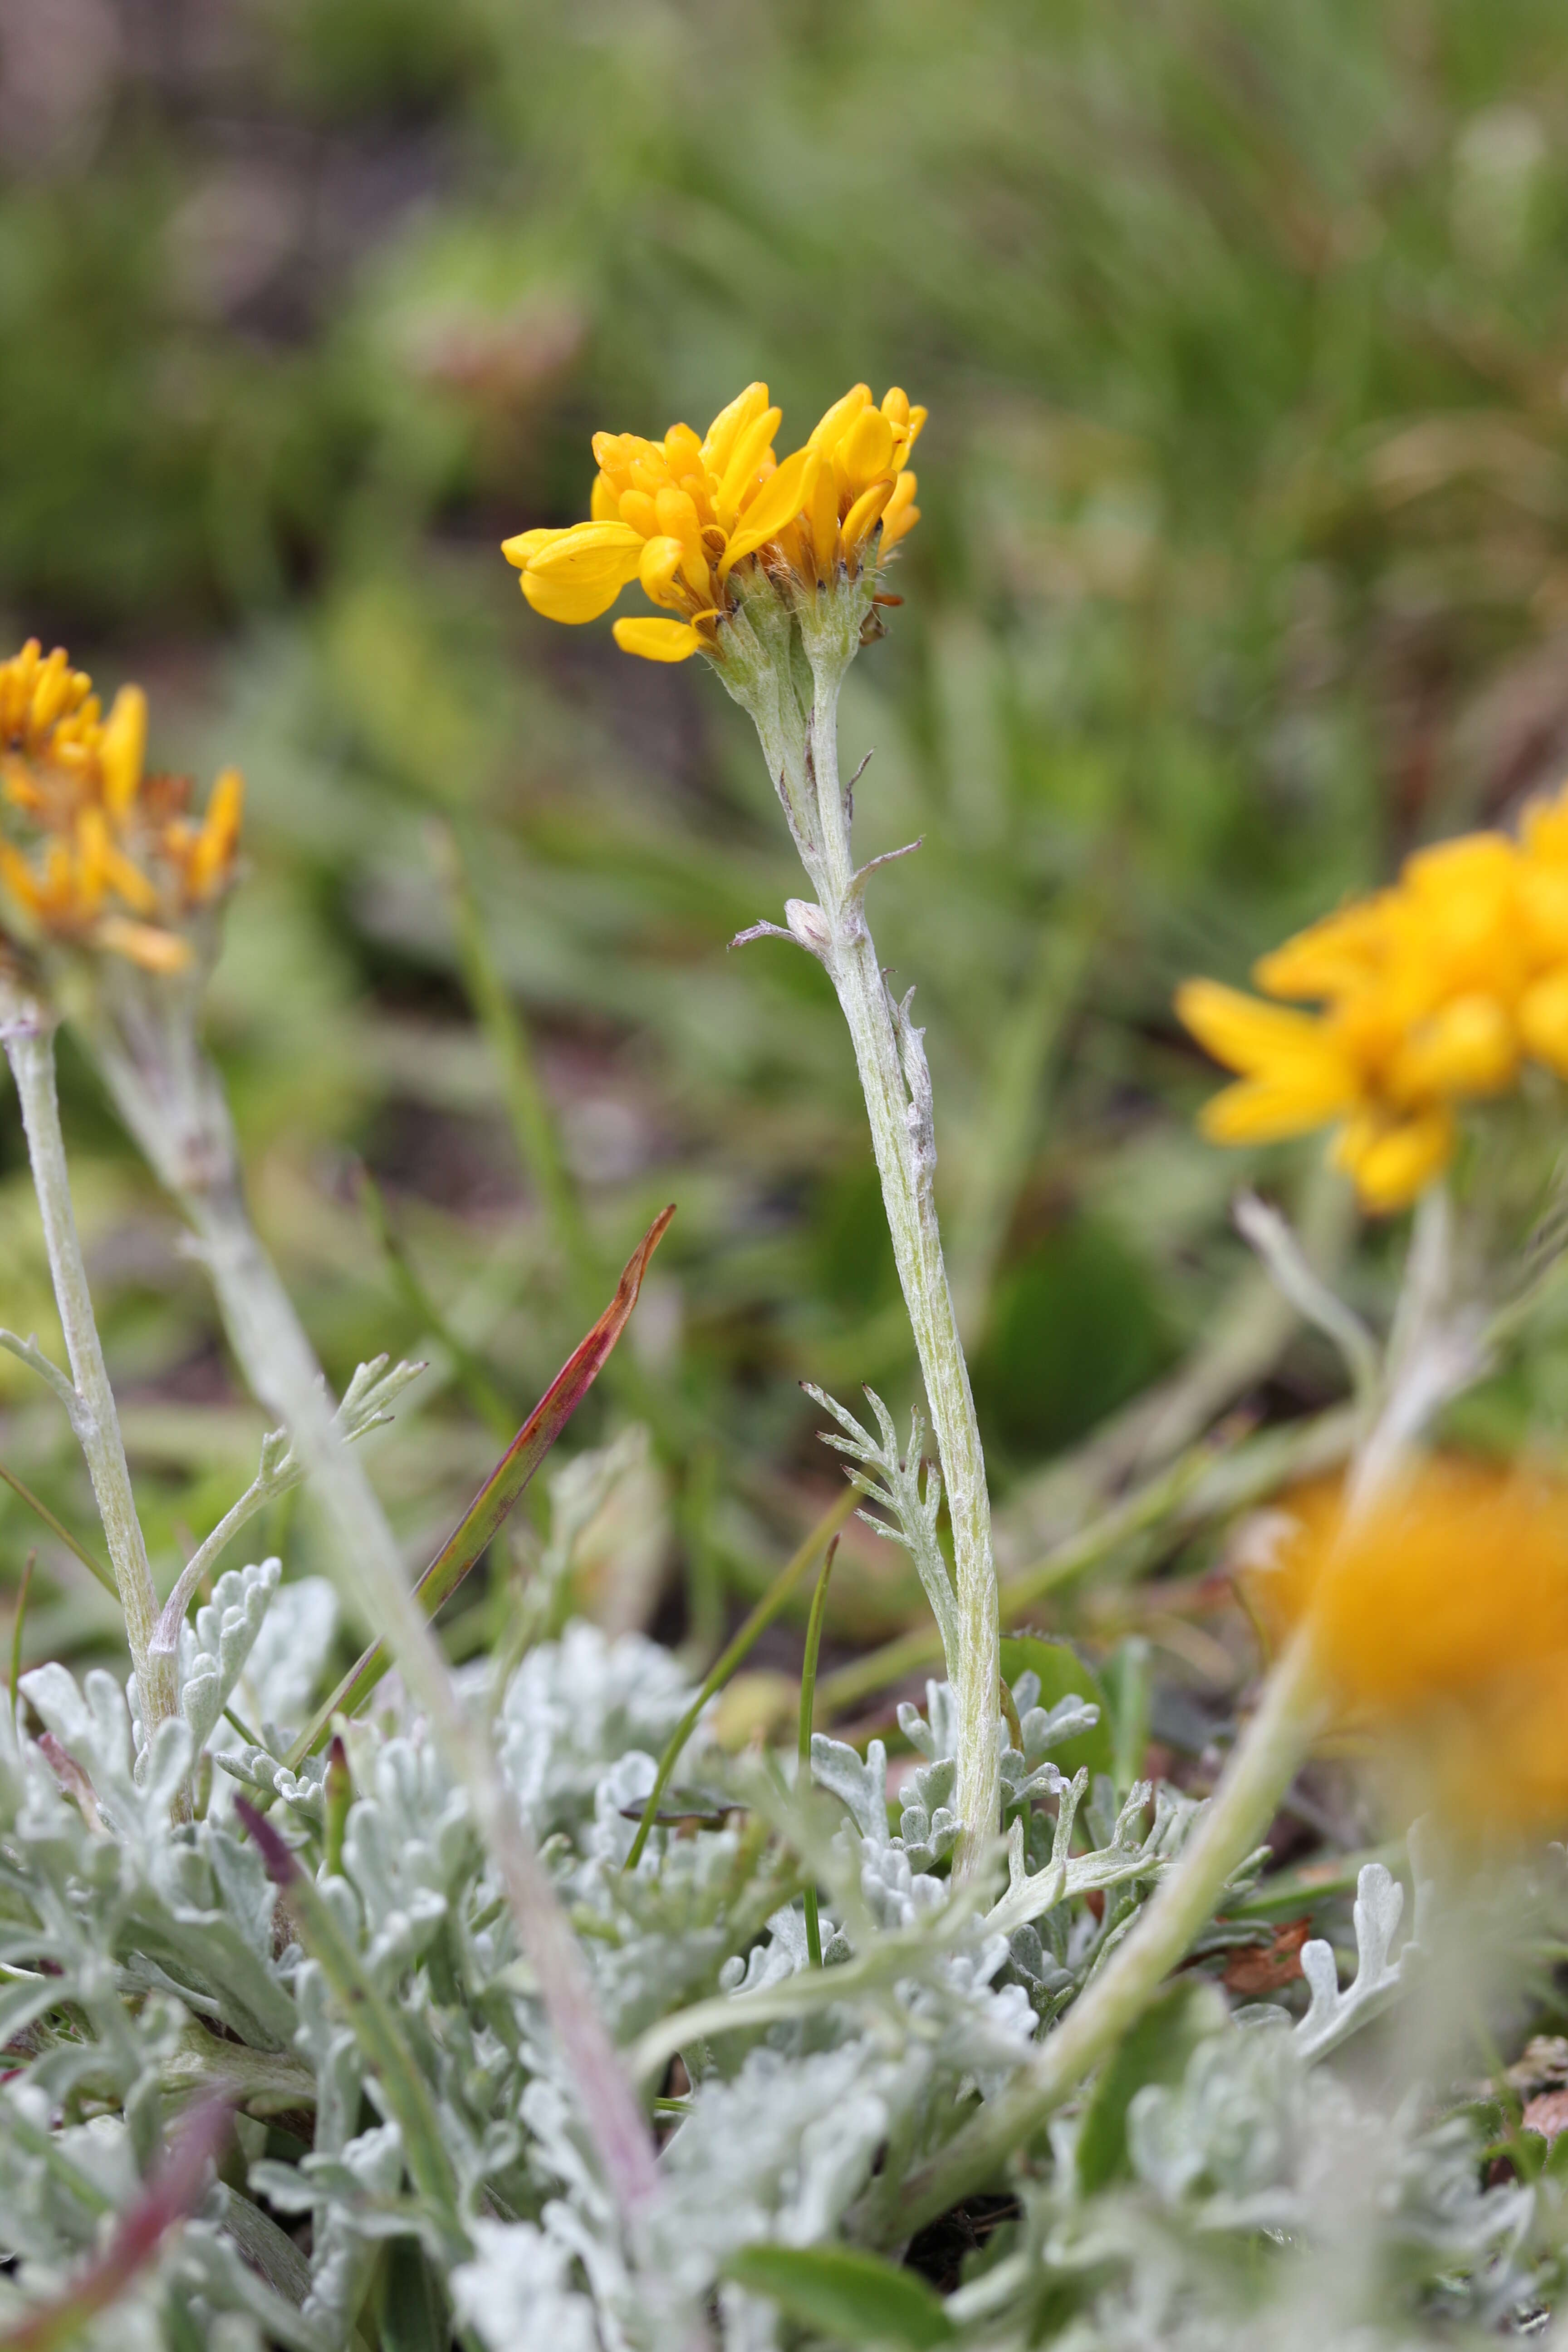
point(1430, 995)
point(1440, 1615)
point(680, 515)
point(95, 852)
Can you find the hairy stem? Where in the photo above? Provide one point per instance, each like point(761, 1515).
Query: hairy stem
point(897, 1086)
point(28, 1030)
point(1259, 1771)
point(280, 1365)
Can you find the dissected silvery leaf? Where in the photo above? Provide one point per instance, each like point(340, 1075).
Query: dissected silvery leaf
point(288, 1661)
point(861, 1783)
point(214, 1649)
point(516, 2290)
point(1332, 2015)
point(93, 1725)
point(573, 1707)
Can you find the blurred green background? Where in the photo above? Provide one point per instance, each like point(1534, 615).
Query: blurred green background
point(1243, 329)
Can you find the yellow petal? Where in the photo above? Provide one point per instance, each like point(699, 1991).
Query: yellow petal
point(525, 545)
point(785, 494)
point(832, 425)
point(1258, 1039)
point(900, 514)
point(1393, 1165)
point(659, 641)
point(662, 563)
point(865, 452)
point(1469, 1046)
point(752, 447)
point(1543, 1021)
point(581, 573)
point(1544, 829)
point(730, 424)
point(640, 512)
point(123, 749)
point(895, 404)
point(1340, 952)
point(219, 837)
point(589, 550)
point(104, 865)
point(677, 514)
point(605, 504)
point(572, 601)
point(154, 949)
point(824, 518)
point(865, 514)
point(17, 877)
point(1264, 1110)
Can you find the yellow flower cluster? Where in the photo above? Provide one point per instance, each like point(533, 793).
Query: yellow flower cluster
point(93, 850)
point(1440, 1615)
point(679, 514)
point(1432, 993)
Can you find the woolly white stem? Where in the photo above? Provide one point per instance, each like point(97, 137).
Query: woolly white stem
point(1260, 1770)
point(896, 1084)
point(794, 704)
point(28, 1030)
point(281, 1367)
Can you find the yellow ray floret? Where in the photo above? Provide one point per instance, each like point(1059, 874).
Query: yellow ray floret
point(1439, 1615)
point(1431, 994)
point(680, 516)
point(96, 852)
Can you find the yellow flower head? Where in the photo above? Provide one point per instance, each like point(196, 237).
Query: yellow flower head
point(93, 850)
point(680, 515)
point(1431, 993)
point(1440, 1615)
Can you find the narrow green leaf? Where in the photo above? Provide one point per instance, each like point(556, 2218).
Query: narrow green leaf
point(1063, 1674)
point(1128, 1683)
point(502, 1489)
point(761, 1617)
point(41, 1510)
point(474, 1378)
point(851, 2294)
point(17, 1624)
point(807, 1714)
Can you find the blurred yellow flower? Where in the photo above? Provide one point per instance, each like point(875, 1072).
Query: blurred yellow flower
point(1432, 994)
point(680, 514)
point(1440, 1616)
point(93, 850)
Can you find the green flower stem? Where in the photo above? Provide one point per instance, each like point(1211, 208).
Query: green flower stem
point(280, 1365)
point(807, 1714)
point(787, 675)
point(903, 1140)
point(28, 1030)
point(1260, 1770)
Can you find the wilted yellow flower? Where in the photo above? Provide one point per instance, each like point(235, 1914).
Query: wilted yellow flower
point(93, 850)
point(680, 514)
point(1432, 994)
point(1439, 1615)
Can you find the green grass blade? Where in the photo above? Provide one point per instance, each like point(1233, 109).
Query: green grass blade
point(475, 1379)
point(761, 1617)
point(17, 1622)
point(506, 1483)
point(41, 1510)
point(807, 1712)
